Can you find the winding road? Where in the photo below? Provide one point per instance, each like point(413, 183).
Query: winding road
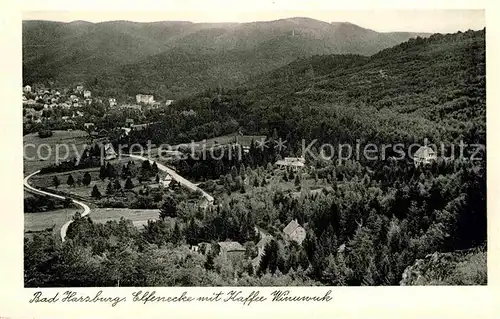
point(64, 228)
point(86, 209)
point(181, 180)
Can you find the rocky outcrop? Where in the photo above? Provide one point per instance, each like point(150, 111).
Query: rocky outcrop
point(456, 268)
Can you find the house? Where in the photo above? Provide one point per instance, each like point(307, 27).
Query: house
point(191, 112)
point(109, 152)
point(168, 102)
point(30, 102)
point(206, 202)
point(293, 231)
point(231, 249)
point(155, 105)
point(129, 122)
point(126, 131)
point(112, 102)
point(195, 248)
point(27, 89)
point(65, 118)
point(424, 156)
point(88, 125)
point(139, 127)
point(103, 132)
point(144, 98)
point(80, 114)
point(87, 94)
point(295, 163)
point(167, 180)
point(79, 89)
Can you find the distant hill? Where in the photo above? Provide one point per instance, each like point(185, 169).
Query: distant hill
point(437, 78)
point(431, 87)
point(177, 58)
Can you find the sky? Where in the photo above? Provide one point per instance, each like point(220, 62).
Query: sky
point(382, 20)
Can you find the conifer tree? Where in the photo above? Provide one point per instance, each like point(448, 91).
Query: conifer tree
point(95, 192)
point(70, 180)
point(86, 179)
point(102, 172)
point(129, 184)
point(56, 182)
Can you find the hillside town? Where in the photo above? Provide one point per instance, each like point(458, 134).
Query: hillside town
point(49, 107)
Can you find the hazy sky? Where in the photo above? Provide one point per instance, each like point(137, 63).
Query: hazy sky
point(219, 11)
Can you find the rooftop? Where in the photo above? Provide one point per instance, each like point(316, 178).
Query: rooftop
point(291, 227)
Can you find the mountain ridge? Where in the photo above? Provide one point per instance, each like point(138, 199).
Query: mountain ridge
point(87, 52)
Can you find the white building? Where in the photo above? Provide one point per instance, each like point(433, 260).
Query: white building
point(144, 98)
point(166, 181)
point(293, 231)
point(27, 89)
point(87, 94)
point(295, 163)
point(424, 156)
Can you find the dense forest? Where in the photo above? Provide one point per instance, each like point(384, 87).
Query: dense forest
point(373, 221)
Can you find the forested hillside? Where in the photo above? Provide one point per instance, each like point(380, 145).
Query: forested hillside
point(426, 88)
point(176, 58)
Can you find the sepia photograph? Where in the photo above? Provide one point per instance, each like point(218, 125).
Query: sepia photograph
point(341, 148)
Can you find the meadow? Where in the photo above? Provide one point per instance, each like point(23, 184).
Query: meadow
point(40, 152)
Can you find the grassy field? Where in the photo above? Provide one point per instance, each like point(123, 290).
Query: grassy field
point(46, 180)
point(82, 190)
point(41, 152)
point(36, 222)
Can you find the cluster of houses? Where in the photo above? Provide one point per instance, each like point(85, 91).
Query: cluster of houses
point(35, 100)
